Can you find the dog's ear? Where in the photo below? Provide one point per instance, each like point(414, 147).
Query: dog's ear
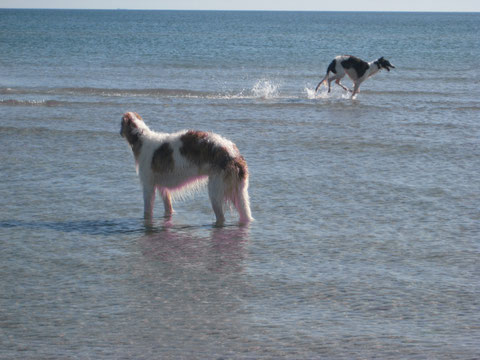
point(132, 119)
point(129, 124)
point(127, 120)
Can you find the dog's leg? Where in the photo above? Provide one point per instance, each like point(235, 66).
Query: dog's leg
point(216, 191)
point(341, 85)
point(335, 78)
point(167, 202)
point(329, 83)
point(355, 89)
point(148, 201)
point(242, 202)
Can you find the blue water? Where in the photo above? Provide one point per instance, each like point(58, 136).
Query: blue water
point(367, 231)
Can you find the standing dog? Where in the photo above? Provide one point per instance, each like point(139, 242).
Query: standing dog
point(174, 162)
point(356, 69)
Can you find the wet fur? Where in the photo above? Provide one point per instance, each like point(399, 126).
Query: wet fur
point(174, 163)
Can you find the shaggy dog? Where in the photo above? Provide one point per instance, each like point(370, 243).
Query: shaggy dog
point(356, 69)
point(184, 160)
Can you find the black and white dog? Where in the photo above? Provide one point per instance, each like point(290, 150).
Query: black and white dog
point(356, 69)
point(182, 161)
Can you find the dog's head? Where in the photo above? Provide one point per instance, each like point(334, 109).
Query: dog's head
point(384, 64)
point(131, 125)
point(132, 128)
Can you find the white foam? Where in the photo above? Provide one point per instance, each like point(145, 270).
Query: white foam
point(324, 94)
point(265, 89)
point(312, 94)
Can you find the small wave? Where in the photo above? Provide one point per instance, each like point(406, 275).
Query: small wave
point(49, 131)
point(106, 92)
point(262, 89)
point(13, 102)
point(152, 92)
point(160, 92)
point(7, 91)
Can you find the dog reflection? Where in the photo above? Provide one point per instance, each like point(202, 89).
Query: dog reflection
point(223, 250)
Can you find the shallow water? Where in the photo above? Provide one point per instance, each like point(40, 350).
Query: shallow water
point(366, 235)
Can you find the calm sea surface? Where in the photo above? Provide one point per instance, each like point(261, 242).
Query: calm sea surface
point(366, 242)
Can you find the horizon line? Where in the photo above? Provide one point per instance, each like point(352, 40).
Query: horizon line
point(244, 10)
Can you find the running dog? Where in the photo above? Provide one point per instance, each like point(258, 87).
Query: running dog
point(173, 163)
point(356, 69)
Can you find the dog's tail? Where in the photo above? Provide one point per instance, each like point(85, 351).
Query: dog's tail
point(321, 82)
point(236, 191)
point(331, 68)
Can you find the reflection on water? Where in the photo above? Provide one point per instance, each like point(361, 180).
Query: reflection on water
point(220, 249)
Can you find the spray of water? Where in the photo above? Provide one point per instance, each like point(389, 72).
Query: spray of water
point(311, 94)
point(265, 89)
point(324, 94)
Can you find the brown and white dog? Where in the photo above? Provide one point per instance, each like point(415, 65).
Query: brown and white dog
point(356, 69)
point(175, 162)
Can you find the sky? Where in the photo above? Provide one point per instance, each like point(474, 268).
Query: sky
point(300, 5)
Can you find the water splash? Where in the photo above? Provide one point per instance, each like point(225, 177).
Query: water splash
point(324, 94)
point(311, 93)
point(265, 89)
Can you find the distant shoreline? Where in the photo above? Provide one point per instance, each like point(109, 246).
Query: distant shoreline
point(254, 10)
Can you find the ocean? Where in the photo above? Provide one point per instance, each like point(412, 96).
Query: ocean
point(366, 237)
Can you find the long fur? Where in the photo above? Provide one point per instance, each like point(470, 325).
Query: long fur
point(356, 69)
point(185, 161)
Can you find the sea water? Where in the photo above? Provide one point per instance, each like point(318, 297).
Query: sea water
point(367, 220)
